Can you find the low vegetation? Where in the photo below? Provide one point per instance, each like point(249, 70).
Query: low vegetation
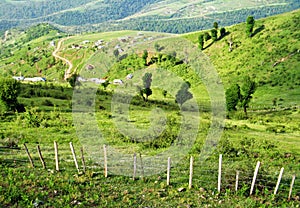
point(260, 71)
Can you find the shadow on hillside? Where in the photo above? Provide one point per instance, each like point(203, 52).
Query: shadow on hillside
point(258, 30)
point(223, 36)
point(208, 45)
point(220, 38)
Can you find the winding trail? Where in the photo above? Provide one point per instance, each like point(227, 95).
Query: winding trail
point(68, 71)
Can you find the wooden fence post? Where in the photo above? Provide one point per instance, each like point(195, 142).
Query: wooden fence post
point(41, 156)
point(134, 166)
point(142, 166)
point(74, 157)
point(29, 156)
point(191, 172)
point(105, 160)
point(237, 180)
point(168, 171)
point(278, 181)
point(291, 187)
point(220, 173)
point(254, 177)
point(56, 156)
point(82, 159)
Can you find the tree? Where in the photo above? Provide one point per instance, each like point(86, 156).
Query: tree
point(222, 32)
point(207, 36)
point(145, 56)
point(183, 94)
point(146, 91)
point(201, 41)
point(9, 91)
point(105, 84)
point(250, 25)
point(214, 34)
point(233, 96)
point(216, 25)
point(247, 90)
point(72, 80)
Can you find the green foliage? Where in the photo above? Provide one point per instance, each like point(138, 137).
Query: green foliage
point(9, 91)
point(73, 80)
point(243, 95)
point(201, 41)
point(207, 36)
point(233, 96)
point(183, 94)
point(214, 34)
point(247, 90)
point(146, 91)
point(250, 25)
point(145, 56)
point(39, 30)
point(216, 25)
point(105, 84)
point(78, 16)
point(222, 32)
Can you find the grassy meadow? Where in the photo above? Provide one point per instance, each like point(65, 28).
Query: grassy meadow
point(270, 133)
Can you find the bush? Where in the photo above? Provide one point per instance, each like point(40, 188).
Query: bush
point(47, 103)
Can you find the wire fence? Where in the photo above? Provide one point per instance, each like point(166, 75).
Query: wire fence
point(220, 175)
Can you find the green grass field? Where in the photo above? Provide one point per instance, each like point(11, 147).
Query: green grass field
point(270, 134)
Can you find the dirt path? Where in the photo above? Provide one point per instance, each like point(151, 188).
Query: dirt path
point(68, 71)
point(5, 36)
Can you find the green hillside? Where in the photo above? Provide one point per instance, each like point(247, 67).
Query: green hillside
point(271, 57)
point(155, 15)
point(146, 120)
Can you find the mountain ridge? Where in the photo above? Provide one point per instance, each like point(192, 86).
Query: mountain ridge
point(155, 15)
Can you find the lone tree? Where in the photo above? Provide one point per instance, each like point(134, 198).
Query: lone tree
point(146, 91)
point(9, 91)
point(222, 32)
point(250, 25)
point(214, 34)
point(145, 56)
point(247, 90)
point(201, 41)
point(242, 95)
point(216, 26)
point(233, 96)
point(183, 94)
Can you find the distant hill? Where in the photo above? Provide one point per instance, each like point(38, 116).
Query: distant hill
point(271, 56)
point(152, 15)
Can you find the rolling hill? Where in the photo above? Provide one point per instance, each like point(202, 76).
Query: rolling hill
point(56, 112)
point(155, 15)
point(271, 56)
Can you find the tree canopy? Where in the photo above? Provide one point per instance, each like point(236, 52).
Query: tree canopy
point(9, 91)
point(183, 94)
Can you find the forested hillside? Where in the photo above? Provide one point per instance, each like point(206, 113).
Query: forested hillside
point(153, 15)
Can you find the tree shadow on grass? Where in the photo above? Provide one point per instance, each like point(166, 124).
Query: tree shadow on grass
point(223, 36)
point(208, 45)
point(258, 30)
point(220, 38)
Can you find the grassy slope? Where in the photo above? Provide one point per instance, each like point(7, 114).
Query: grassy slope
point(65, 189)
point(255, 56)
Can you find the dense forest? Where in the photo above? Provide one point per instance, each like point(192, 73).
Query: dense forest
point(89, 15)
point(201, 23)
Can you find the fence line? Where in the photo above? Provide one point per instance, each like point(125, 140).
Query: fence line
point(233, 179)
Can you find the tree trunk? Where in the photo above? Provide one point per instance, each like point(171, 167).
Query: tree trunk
point(245, 110)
